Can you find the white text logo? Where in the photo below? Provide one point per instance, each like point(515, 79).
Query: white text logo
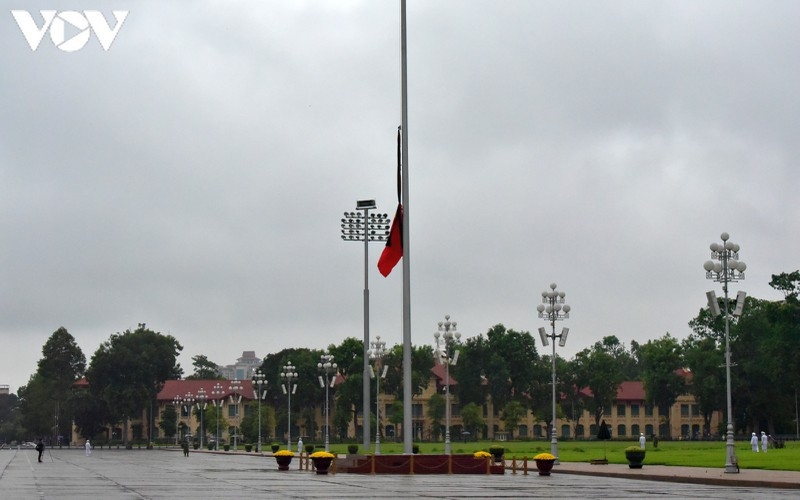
point(78, 25)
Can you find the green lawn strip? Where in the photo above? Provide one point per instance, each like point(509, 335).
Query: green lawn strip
point(709, 454)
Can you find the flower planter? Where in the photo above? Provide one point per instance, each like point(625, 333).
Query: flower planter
point(635, 457)
point(322, 465)
point(283, 462)
point(544, 466)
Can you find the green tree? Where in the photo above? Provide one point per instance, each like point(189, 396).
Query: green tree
point(472, 417)
point(128, 370)
point(249, 427)
point(45, 398)
point(396, 417)
point(513, 412)
point(704, 358)
point(436, 412)
point(598, 369)
point(89, 412)
point(788, 283)
point(11, 428)
point(169, 421)
point(215, 419)
point(661, 360)
point(204, 369)
point(501, 364)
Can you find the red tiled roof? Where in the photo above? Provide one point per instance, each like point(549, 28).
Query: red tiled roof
point(174, 388)
point(630, 390)
point(439, 369)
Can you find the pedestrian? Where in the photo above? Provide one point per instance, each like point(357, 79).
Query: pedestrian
point(40, 448)
point(185, 448)
point(88, 447)
point(300, 446)
point(754, 442)
point(642, 440)
point(764, 440)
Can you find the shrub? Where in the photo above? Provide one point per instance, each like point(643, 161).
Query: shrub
point(415, 449)
point(309, 448)
point(275, 447)
point(352, 449)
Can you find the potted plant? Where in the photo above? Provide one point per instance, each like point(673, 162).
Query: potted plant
point(497, 452)
point(284, 458)
point(635, 456)
point(352, 449)
point(248, 447)
point(415, 449)
point(482, 454)
point(226, 447)
point(322, 461)
point(309, 448)
point(275, 447)
point(544, 462)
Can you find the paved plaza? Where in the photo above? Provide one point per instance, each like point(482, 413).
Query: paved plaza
point(138, 474)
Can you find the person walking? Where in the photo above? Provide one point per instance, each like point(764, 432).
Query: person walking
point(764, 440)
point(88, 447)
point(642, 440)
point(754, 442)
point(40, 448)
point(185, 446)
point(300, 446)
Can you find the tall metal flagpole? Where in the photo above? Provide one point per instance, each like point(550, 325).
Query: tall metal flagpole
point(408, 428)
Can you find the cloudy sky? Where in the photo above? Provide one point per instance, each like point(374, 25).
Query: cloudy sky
point(193, 176)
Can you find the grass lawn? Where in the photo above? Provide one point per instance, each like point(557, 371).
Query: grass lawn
point(686, 453)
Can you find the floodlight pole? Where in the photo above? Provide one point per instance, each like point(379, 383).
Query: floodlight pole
point(553, 311)
point(728, 269)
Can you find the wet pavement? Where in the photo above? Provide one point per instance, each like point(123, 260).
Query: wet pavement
point(144, 474)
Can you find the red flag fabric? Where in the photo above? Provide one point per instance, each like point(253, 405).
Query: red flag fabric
point(394, 245)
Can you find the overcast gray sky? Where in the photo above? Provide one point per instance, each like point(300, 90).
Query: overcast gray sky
point(193, 176)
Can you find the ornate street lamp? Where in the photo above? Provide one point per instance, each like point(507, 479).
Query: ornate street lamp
point(258, 381)
point(202, 397)
point(728, 269)
point(328, 367)
point(177, 402)
point(217, 397)
point(289, 376)
point(446, 337)
point(188, 400)
point(552, 310)
point(368, 228)
point(236, 398)
point(376, 354)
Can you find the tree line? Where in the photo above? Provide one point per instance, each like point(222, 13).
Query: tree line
point(127, 371)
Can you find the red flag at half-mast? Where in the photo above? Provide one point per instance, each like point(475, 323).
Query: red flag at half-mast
point(394, 245)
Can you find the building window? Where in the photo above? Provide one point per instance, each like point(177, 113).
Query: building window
point(233, 410)
point(537, 431)
point(648, 430)
point(635, 430)
point(684, 413)
point(565, 431)
point(621, 430)
point(579, 431)
point(620, 410)
point(685, 431)
point(523, 430)
point(607, 410)
point(416, 410)
point(695, 410)
point(634, 410)
point(648, 411)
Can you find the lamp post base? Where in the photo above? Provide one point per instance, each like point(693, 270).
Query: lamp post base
point(554, 449)
point(731, 463)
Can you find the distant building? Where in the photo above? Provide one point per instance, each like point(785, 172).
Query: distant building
point(244, 368)
point(4, 389)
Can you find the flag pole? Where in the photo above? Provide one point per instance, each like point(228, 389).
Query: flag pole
point(408, 428)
